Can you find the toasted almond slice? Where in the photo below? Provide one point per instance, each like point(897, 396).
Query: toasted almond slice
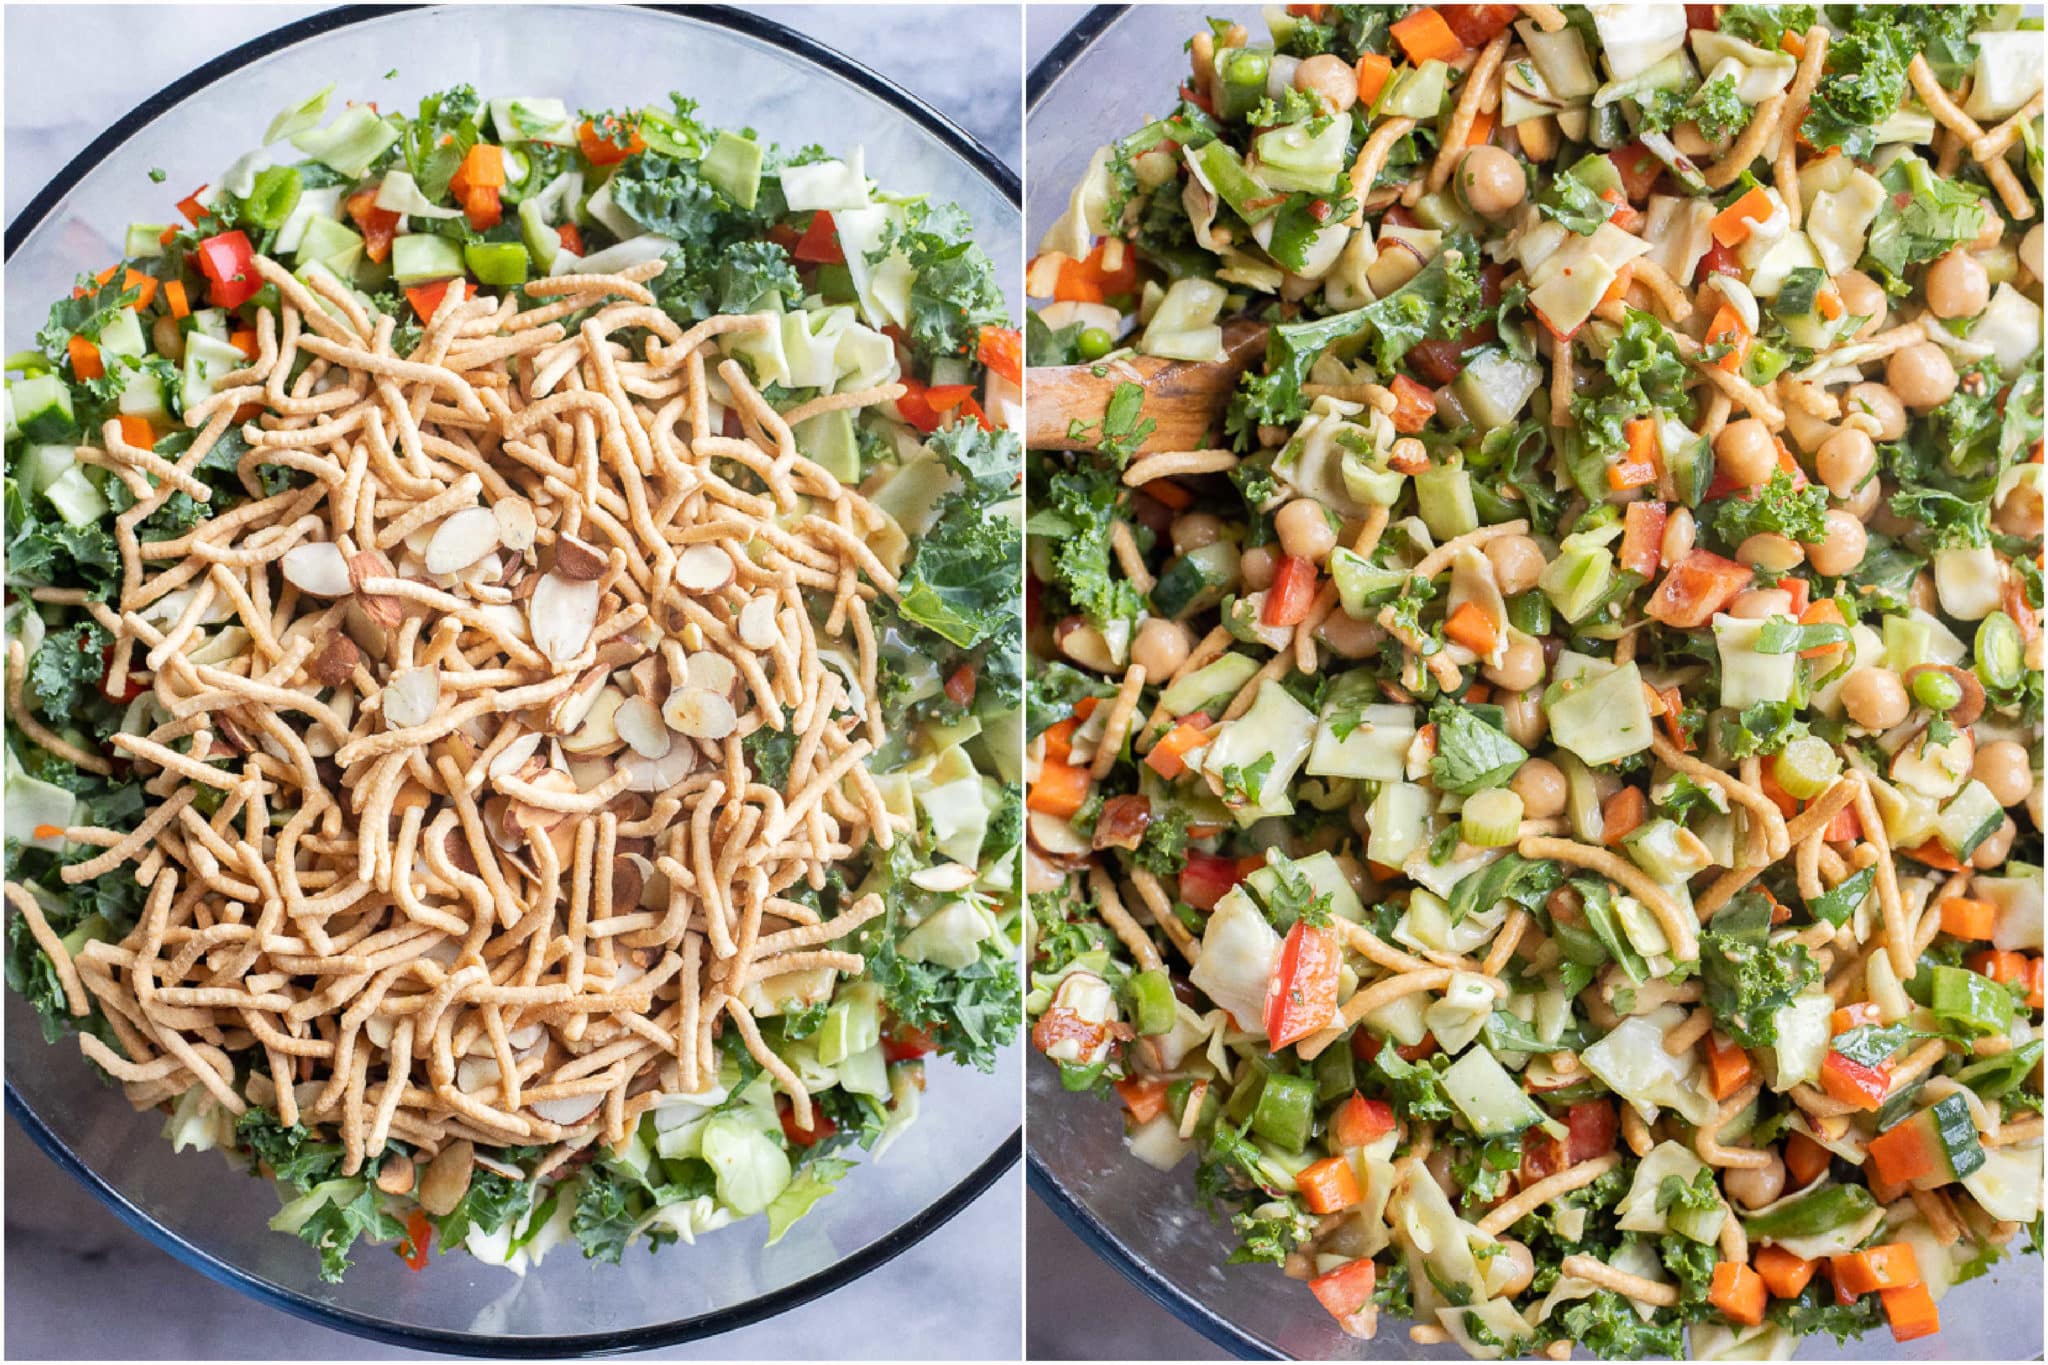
point(514, 754)
point(336, 662)
point(598, 731)
point(524, 1037)
point(579, 560)
point(566, 712)
point(461, 540)
point(1057, 835)
point(699, 713)
point(639, 724)
point(474, 1075)
point(944, 877)
point(657, 774)
point(383, 612)
point(412, 697)
point(647, 680)
point(758, 629)
point(418, 539)
point(703, 568)
point(570, 1109)
point(517, 525)
point(379, 1028)
point(563, 613)
point(319, 569)
point(712, 672)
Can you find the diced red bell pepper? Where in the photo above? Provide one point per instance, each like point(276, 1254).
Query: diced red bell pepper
point(806, 1137)
point(1478, 25)
point(1852, 1082)
point(571, 238)
point(599, 144)
point(906, 1043)
point(1328, 1186)
point(227, 261)
point(1002, 350)
point(426, 298)
point(1207, 878)
point(484, 209)
point(820, 243)
point(1701, 17)
point(1301, 995)
point(1642, 538)
point(192, 208)
point(1294, 588)
point(1639, 168)
point(1359, 1121)
point(419, 1240)
point(1719, 260)
point(1414, 407)
point(378, 226)
point(1695, 588)
point(1144, 1096)
point(1347, 1293)
point(1440, 362)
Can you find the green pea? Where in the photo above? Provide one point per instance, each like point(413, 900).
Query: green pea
point(1095, 343)
point(1937, 691)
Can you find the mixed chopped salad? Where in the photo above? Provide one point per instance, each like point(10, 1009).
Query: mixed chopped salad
point(514, 675)
point(1541, 807)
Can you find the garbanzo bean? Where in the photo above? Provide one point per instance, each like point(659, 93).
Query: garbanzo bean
point(1517, 563)
point(1921, 375)
point(1875, 698)
point(1746, 452)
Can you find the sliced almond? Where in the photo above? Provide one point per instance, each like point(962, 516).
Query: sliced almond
point(598, 732)
point(395, 1174)
point(525, 1036)
point(320, 569)
point(626, 884)
point(383, 610)
point(657, 774)
point(1057, 835)
point(712, 672)
point(336, 662)
point(570, 1109)
point(944, 877)
point(517, 525)
point(412, 697)
point(647, 679)
point(639, 723)
point(379, 1027)
point(703, 568)
point(446, 1178)
point(578, 560)
point(475, 1075)
point(563, 612)
point(699, 713)
point(758, 629)
point(566, 712)
point(461, 540)
point(512, 755)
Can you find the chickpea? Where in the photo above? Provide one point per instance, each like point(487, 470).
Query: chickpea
point(1756, 604)
point(169, 341)
point(1521, 664)
point(1842, 548)
point(1540, 784)
point(1921, 375)
point(1845, 461)
point(1490, 181)
point(1517, 563)
point(1991, 233)
point(2031, 250)
point(1769, 550)
point(2002, 767)
point(1520, 1267)
point(1863, 297)
point(1348, 636)
point(1882, 404)
point(1957, 285)
point(1995, 847)
point(1331, 77)
point(1193, 530)
point(1875, 698)
point(1161, 647)
point(1754, 1187)
point(1305, 530)
point(1679, 532)
point(1255, 568)
point(1746, 452)
point(1863, 501)
point(1522, 716)
point(2020, 513)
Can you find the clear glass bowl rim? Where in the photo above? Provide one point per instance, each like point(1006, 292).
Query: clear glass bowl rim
point(870, 1257)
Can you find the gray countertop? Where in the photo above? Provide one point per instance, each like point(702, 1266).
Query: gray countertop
point(68, 1259)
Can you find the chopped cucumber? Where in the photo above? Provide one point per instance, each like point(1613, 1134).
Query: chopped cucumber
point(76, 499)
point(417, 257)
point(42, 407)
point(144, 241)
point(734, 165)
point(121, 334)
point(332, 244)
point(42, 465)
point(1488, 1096)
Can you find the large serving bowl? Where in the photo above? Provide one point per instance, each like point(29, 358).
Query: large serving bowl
point(747, 71)
point(1116, 68)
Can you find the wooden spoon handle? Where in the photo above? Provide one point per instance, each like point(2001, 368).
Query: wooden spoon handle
point(1184, 398)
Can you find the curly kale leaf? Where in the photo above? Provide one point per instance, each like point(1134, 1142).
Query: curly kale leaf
point(1780, 505)
point(1864, 78)
point(1073, 512)
point(1747, 978)
point(961, 581)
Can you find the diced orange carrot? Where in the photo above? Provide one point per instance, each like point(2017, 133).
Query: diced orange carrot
point(137, 432)
point(1783, 1273)
point(243, 339)
point(1061, 789)
point(1805, 1159)
point(1470, 627)
point(144, 286)
point(1059, 739)
point(1482, 129)
point(1621, 813)
point(1891, 1266)
point(174, 291)
point(1731, 226)
point(1821, 613)
point(1739, 1293)
point(85, 359)
point(1373, 71)
point(1911, 1312)
point(1328, 1186)
point(1728, 328)
point(1145, 1097)
point(1424, 36)
point(1168, 757)
point(1965, 918)
point(1728, 1066)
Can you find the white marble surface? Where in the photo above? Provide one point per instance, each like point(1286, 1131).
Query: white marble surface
point(68, 1260)
point(1120, 1323)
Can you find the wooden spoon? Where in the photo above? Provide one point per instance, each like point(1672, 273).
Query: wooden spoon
point(1184, 398)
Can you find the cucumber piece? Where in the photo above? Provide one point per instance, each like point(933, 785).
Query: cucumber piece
point(206, 360)
point(828, 441)
point(1286, 1111)
point(417, 257)
point(144, 241)
point(1494, 386)
point(1361, 586)
point(75, 498)
point(1195, 580)
point(1945, 1135)
point(42, 466)
point(332, 244)
point(211, 321)
point(1488, 1096)
point(143, 396)
point(121, 334)
point(42, 407)
point(312, 206)
point(600, 207)
point(1415, 92)
point(1577, 580)
point(499, 263)
point(1971, 816)
point(734, 165)
point(528, 119)
point(1444, 497)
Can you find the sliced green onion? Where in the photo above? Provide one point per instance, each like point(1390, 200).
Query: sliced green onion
point(2000, 652)
point(1529, 613)
point(1807, 766)
point(1152, 1001)
point(1491, 819)
point(1935, 691)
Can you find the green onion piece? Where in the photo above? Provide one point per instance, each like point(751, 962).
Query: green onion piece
point(1094, 343)
point(1936, 692)
point(2000, 652)
point(1152, 998)
point(1529, 613)
point(1808, 766)
point(1491, 819)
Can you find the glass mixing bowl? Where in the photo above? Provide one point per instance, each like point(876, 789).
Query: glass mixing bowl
point(747, 71)
point(1115, 69)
